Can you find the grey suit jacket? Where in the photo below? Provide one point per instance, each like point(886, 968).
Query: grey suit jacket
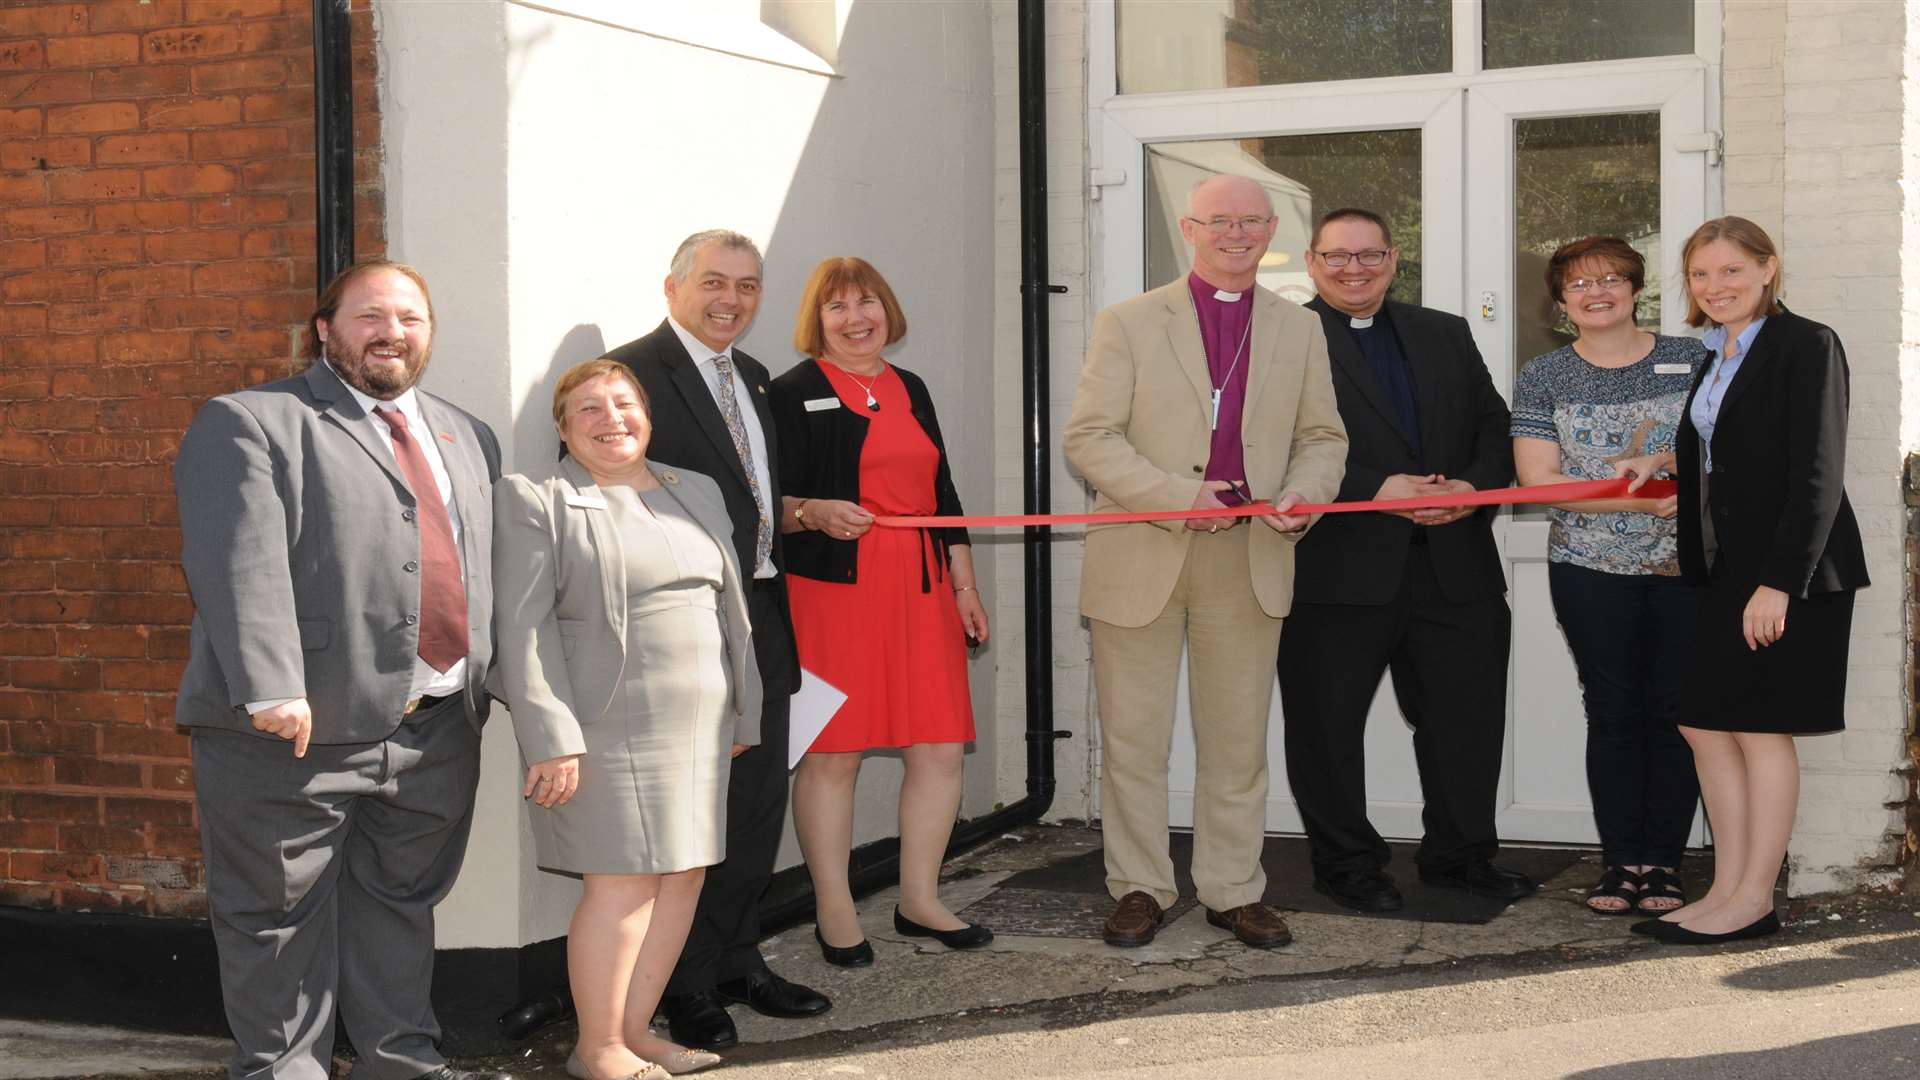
point(561, 580)
point(297, 534)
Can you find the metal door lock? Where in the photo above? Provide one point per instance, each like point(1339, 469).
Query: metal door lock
point(1486, 306)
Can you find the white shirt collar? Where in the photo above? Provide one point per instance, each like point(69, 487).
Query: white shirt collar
point(696, 348)
point(408, 402)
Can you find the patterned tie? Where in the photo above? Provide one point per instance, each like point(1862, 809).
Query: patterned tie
point(443, 596)
point(730, 412)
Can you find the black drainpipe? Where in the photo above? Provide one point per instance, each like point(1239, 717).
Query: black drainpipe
point(875, 866)
point(332, 140)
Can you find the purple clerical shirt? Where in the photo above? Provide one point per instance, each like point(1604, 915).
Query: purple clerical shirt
point(1224, 331)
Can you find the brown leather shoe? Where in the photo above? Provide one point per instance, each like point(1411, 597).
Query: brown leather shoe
point(1134, 922)
point(1257, 925)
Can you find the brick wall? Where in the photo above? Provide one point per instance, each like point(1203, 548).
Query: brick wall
point(156, 249)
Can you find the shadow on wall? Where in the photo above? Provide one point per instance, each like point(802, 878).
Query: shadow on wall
point(534, 437)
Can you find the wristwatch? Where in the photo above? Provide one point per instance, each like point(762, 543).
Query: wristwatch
point(800, 514)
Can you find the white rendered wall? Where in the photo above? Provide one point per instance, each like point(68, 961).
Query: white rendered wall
point(594, 149)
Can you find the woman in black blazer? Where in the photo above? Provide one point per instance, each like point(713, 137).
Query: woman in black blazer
point(1765, 523)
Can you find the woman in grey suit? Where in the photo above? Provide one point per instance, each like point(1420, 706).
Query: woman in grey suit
point(627, 661)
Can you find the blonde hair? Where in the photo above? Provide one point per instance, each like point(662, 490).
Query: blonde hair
point(827, 281)
point(588, 370)
point(1749, 238)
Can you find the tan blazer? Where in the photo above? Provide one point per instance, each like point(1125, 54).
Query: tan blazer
point(560, 583)
point(1139, 432)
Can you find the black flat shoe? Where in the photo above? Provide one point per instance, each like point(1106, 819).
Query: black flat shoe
point(970, 936)
point(1360, 890)
point(1651, 927)
point(1675, 934)
point(698, 1019)
point(860, 955)
point(770, 995)
point(1482, 879)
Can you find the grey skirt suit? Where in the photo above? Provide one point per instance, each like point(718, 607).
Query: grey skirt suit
point(624, 638)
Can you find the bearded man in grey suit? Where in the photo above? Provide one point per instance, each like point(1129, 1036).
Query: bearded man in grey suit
point(336, 532)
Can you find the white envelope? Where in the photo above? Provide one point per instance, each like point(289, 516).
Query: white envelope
point(813, 705)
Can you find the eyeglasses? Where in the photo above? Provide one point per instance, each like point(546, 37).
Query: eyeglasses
point(1249, 222)
point(1609, 283)
point(1337, 259)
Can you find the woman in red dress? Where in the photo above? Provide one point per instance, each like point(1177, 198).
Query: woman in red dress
point(882, 614)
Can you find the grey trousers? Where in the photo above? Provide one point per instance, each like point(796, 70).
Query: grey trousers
point(322, 874)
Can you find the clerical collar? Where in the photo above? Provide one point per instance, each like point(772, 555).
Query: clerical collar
point(1226, 297)
point(1360, 324)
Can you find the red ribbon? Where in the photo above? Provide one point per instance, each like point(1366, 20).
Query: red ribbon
point(1575, 491)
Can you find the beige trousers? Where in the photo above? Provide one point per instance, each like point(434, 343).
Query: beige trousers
point(1232, 645)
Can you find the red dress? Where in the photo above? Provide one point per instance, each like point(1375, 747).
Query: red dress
point(897, 653)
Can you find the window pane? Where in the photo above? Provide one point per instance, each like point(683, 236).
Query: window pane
point(1578, 176)
point(1307, 175)
point(1210, 44)
point(1521, 33)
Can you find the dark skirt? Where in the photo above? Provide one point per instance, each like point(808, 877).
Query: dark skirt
point(1796, 686)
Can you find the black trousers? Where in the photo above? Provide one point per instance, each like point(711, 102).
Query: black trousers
point(724, 942)
point(1449, 668)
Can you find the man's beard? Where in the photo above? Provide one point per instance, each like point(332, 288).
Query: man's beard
point(380, 383)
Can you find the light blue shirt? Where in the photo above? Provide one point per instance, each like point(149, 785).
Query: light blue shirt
point(1705, 411)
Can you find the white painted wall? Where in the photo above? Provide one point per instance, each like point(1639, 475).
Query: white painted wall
point(544, 161)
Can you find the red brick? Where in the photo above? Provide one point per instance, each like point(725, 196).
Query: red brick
point(240, 209)
point(93, 50)
point(191, 43)
point(223, 10)
point(47, 285)
point(90, 899)
point(100, 708)
point(281, 310)
point(77, 866)
point(40, 737)
point(242, 344)
point(177, 903)
point(25, 705)
point(143, 414)
point(129, 810)
point(164, 510)
point(253, 74)
point(92, 772)
point(173, 314)
point(280, 174)
point(170, 778)
point(194, 112)
point(193, 246)
point(22, 254)
point(71, 544)
point(259, 275)
point(35, 20)
point(23, 188)
point(44, 221)
point(94, 118)
point(17, 447)
point(274, 35)
point(54, 416)
point(26, 641)
point(21, 154)
point(49, 480)
point(167, 577)
point(290, 103)
point(36, 674)
point(94, 250)
point(140, 81)
point(146, 348)
point(18, 511)
point(101, 641)
point(51, 88)
point(21, 385)
point(176, 841)
point(162, 643)
point(28, 835)
point(103, 839)
point(190, 180)
point(146, 216)
point(146, 281)
point(105, 316)
point(246, 143)
point(22, 55)
point(124, 510)
point(24, 769)
point(120, 15)
point(142, 610)
point(93, 185)
point(141, 674)
point(263, 242)
point(164, 744)
point(141, 149)
point(15, 122)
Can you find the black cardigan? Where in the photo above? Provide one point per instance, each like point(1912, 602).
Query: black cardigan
point(820, 459)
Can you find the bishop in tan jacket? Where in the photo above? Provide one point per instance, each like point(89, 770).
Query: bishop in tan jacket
point(1209, 391)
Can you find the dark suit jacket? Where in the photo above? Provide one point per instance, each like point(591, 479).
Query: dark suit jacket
point(1781, 515)
point(689, 433)
point(1358, 558)
point(299, 542)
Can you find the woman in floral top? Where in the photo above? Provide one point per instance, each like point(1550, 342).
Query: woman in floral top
point(1616, 392)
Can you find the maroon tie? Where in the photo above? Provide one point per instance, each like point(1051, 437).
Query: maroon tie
point(443, 598)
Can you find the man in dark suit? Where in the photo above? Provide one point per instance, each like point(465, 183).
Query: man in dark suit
point(336, 531)
point(1419, 593)
point(710, 414)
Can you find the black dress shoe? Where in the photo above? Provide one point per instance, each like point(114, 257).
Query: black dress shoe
point(698, 1019)
point(1674, 934)
point(860, 955)
point(770, 995)
point(1482, 879)
point(1361, 890)
point(448, 1072)
point(970, 936)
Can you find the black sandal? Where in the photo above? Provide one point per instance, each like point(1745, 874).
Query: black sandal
point(1660, 883)
point(1618, 883)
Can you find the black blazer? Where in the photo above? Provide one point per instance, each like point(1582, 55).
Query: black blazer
point(821, 459)
point(1358, 558)
point(689, 433)
point(1781, 515)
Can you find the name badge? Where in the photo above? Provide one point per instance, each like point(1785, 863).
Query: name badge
point(587, 502)
point(822, 404)
point(1672, 369)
